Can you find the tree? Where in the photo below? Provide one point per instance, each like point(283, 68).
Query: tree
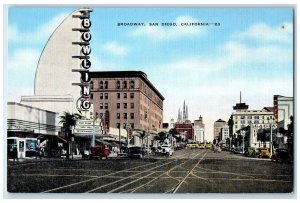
point(161, 136)
point(142, 135)
point(69, 120)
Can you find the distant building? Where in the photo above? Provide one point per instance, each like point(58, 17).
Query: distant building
point(185, 129)
point(218, 125)
point(283, 110)
point(199, 129)
point(224, 133)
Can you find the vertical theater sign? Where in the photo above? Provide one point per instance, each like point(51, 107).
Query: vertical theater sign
point(83, 102)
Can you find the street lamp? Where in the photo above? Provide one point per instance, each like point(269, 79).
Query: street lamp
point(271, 136)
point(243, 136)
point(93, 138)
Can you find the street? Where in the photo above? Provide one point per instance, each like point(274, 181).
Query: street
point(187, 171)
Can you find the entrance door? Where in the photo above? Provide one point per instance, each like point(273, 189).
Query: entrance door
point(21, 151)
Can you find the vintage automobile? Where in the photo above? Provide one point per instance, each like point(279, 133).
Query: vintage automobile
point(192, 145)
point(281, 155)
point(264, 153)
point(138, 152)
point(208, 145)
point(201, 146)
point(167, 150)
point(98, 152)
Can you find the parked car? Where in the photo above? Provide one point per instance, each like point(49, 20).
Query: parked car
point(251, 152)
point(264, 153)
point(98, 152)
point(138, 152)
point(280, 155)
point(192, 145)
point(167, 150)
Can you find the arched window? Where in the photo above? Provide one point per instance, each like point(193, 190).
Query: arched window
point(132, 84)
point(101, 84)
point(125, 84)
point(118, 84)
point(106, 85)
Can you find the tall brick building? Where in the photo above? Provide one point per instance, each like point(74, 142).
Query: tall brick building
point(126, 97)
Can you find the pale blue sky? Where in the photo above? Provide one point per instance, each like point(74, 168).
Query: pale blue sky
point(251, 51)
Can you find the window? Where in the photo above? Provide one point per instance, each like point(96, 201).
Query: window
point(101, 95)
point(118, 84)
point(118, 125)
point(131, 95)
point(256, 117)
point(132, 84)
point(105, 95)
point(236, 126)
point(242, 122)
point(118, 115)
point(92, 96)
point(124, 125)
point(105, 85)
point(101, 84)
point(106, 105)
point(131, 115)
point(125, 95)
point(242, 117)
point(125, 115)
point(118, 105)
point(92, 85)
point(132, 125)
point(249, 117)
point(125, 84)
point(101, 115)
point(118, 95)
point(101, 105)
point(125, 105)
point(132, 105)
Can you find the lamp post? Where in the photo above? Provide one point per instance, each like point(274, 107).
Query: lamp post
point(243, 136)
point(93, 138)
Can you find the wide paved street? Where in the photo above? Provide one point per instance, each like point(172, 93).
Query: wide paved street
point(187, 171)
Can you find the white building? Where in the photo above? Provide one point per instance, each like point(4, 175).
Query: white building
point(224, 133)
point(24, 120)
point(256, 119)
point(199, 130)
point(283, 110)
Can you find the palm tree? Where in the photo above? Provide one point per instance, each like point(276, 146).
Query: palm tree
point(69, 120)
point(161, 136)
point(142, 134)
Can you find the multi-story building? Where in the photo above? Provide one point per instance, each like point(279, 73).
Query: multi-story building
point(126, 98)
point(199, 130)
point(218, 125)
point(224, 133)
point(185, 129)
point(283, 110)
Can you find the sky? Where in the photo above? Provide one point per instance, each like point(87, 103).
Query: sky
point(248, 50)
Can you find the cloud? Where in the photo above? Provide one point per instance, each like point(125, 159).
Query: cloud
point(116, 49)
point(41, 33)
point(282, 33)
point(171, 32)
point(23, 60)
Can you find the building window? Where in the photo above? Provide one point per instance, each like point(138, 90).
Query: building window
point(131, 115)
point(106, 105)
point(236, 126)
point(118, 115)
point(125, 95)
point(125, 115)
point(118, 84)
point(92, 85)
point(131, 95)
point(101, 95)
point(125, 105)
point(92, 96)
point(118, 95)
point(101, 105)
point(125, 84)
point(106, 85)
point(132, 84)
point(243, 122)
point(118, 125)
point(256, 117)
point(124, 125)
point(118, 105)
point(242, 117)
point(101, 84)
point(132, 105)
point(101, 115)
point(249, 117)
point(132, 125)
point(105, 95)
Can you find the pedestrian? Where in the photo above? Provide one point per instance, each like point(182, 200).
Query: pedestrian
point(15, 154)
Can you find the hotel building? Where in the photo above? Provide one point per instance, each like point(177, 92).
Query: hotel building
point(126, 98)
